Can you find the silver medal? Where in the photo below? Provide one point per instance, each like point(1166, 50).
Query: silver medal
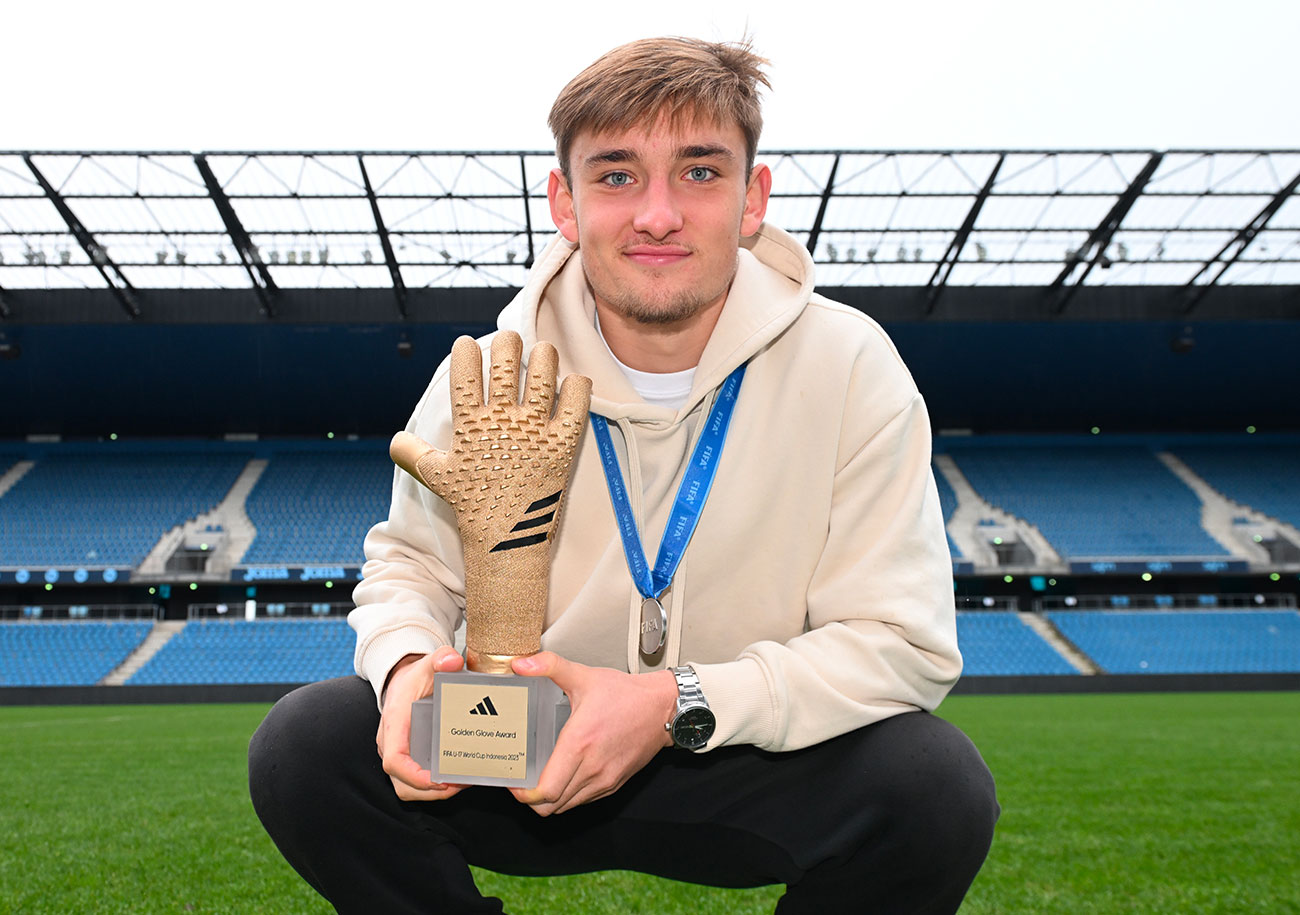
point(654, 625)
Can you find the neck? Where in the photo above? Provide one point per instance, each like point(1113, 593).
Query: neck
point(658, 348)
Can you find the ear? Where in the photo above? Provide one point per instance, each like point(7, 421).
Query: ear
point(561, 200)
point(756, 194)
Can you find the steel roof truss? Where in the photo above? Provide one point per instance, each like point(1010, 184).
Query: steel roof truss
point(258, 275)
point(528, 210)
point(1099, 239)
point(394, 271)
point(113, 277)
point(821, 209)
point(953, 254)
point(1242, 240)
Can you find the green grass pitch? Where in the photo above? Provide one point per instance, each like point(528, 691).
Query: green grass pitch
point(1111, 804)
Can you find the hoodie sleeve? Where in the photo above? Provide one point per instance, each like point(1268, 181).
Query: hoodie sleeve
point(881, 626)
point(412, 593)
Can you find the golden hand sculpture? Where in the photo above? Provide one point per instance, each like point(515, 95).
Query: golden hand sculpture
point(504, 476)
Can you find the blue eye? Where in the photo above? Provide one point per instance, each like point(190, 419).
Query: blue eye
point(618, 179)
point(700, 173)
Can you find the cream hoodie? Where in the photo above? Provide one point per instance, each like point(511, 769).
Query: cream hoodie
point(816, 595)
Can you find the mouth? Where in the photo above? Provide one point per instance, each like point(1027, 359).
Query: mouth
point(656, 255)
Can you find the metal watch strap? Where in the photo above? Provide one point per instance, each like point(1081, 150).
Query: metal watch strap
point(688, 687)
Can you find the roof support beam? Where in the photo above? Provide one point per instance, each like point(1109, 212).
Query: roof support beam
point(821, 209)
point(1195, 292)
point(1099, 240)
point(528, 211)
point(249, 256)
point(394, 271)
point(938, 283)
point(123, 291)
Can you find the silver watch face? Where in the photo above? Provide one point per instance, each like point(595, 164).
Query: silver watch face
point(693, 727)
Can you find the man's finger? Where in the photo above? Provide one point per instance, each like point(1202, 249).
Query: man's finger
point(437, 793)
point(544, 664)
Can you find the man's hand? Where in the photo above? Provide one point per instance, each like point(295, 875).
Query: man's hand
point(411, 679)
point(615, 728)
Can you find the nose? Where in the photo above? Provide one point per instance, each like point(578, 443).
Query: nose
point(658, 213)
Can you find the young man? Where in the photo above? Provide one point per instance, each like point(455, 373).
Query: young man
point(812, 611)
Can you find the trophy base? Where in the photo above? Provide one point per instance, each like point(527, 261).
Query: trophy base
point(487, 729)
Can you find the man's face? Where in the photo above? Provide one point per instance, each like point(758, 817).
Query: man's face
point(659, 213)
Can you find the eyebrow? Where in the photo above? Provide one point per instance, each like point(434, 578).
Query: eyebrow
point(694, 151)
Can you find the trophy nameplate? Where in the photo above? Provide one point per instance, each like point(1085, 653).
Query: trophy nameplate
point(487, 729)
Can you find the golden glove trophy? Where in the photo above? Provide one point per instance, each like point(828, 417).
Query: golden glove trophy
point(504, 476)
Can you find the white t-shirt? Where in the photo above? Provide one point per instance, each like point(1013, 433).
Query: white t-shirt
point(667, 389)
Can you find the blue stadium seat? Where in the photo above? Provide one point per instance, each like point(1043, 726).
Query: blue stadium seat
point(66, 653)
point(948, 504)
point(997, 643)
point(313, 507)
point(252, 651)
point(1093, 501)
point(106, 508)
point(1267, 478)
point(1185, 641)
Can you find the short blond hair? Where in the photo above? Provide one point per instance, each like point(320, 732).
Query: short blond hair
point(677, 77)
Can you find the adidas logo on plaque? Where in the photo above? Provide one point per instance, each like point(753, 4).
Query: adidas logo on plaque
point(484, 708)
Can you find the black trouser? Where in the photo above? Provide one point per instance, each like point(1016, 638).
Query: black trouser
point(895, 817)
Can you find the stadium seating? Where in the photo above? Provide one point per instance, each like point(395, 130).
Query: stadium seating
point(316, 507)
point(1093, 501)
point(1191, 641)
point(948, 504)
point(258, 651)
point(997, 643)
point(1267, 478)
point(105, 508)
point(63, 653)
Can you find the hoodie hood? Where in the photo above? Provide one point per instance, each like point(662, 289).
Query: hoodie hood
point(773, 283)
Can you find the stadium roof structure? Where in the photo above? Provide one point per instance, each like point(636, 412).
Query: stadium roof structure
point(262, 222)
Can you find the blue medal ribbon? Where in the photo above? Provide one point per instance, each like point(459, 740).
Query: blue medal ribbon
point(691, 494)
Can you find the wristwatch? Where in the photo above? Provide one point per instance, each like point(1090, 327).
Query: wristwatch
point(693, 723)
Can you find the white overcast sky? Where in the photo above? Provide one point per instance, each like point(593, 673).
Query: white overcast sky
point(481, 75)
